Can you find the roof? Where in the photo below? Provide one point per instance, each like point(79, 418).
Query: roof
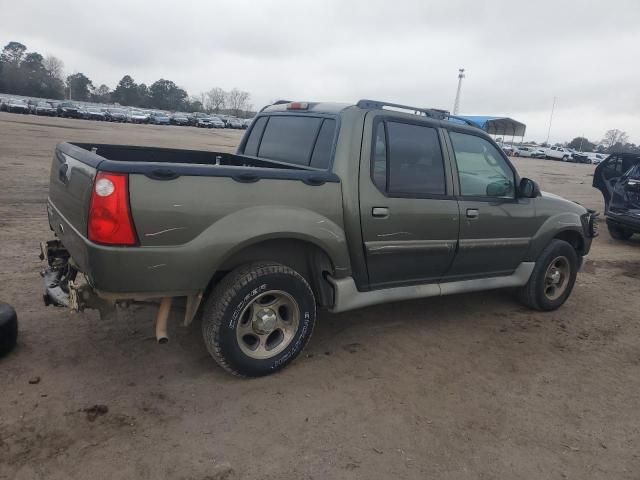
point(497, 125)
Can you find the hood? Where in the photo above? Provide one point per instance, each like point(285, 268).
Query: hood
point(562, 203)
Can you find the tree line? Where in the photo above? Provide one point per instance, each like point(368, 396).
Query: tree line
point(32, 75)
point(614, 140)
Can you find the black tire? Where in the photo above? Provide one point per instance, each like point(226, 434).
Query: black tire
point(533, 294)
point(619, 233)
point(224, 313)
point(8, 328)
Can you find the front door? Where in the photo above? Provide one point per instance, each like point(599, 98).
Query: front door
point(495, 225)
point(409, 217)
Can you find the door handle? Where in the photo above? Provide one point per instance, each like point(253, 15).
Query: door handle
point(473, 213)
point(380, 212)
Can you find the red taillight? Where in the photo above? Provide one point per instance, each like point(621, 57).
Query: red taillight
point(110, 220)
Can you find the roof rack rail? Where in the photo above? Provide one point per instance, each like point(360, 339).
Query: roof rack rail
point(277, 102)
point(435, 113)
point(429, 112)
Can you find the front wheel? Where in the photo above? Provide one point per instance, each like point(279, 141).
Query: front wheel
point(553, 277)
point(619, 233)
point(258, 319)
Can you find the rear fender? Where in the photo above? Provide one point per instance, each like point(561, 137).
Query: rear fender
point(244, 228)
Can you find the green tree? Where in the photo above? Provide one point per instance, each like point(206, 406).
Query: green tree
point(144, 96)
point(79, 86)
point(126, 92)
point(10, 75)
point(582, 144)
point(33, 75)
point(166, 95)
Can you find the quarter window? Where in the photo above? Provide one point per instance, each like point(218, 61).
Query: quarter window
point(482, 171)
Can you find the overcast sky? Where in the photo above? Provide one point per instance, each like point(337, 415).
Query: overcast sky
point(518, 55)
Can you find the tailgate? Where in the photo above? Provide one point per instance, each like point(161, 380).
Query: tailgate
point(72, 172)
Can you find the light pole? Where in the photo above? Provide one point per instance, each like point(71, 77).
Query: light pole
point(550, 119)
point(456, 104)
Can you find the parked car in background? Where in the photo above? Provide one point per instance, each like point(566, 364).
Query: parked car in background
point(44, 108)
point(580, 157)
point(597, 158)
point(32, 103)
point(217, 123)
point(524, 151)
point(94, 113)
point(247, 123)
point(193, 118)
point(618, 179)
point(204, 122)
point(558, 153)
point(179, 118)
point(116, 115)
point(68, 110)
point(137, 116)
point(3, 104)
point(159, 118)
point(539, 152)
point(234, 123)
point(16, 105)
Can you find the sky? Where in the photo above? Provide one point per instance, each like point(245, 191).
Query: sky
point(518, 55)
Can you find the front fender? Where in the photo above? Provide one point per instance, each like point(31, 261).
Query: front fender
point(552, 226)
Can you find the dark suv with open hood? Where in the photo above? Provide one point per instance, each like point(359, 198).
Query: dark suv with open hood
point(618, 178)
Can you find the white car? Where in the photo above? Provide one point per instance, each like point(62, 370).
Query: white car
point(597, 158)
point(524, 151)
point(137, 116)
point(559, 153)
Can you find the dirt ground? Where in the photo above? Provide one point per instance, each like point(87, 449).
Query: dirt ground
point(472, 386)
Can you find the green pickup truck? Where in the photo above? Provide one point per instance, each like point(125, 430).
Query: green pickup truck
point(324, 205)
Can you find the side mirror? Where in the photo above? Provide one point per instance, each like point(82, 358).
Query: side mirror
point(528, 188)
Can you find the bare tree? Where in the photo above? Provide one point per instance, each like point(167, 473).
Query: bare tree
point(54, 66)
point(614, 136)
point(216, 99)
point(237, 101)
point(203, 99)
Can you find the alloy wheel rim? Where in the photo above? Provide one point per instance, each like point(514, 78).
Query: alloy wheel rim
point(268, 324)
point(556, 278)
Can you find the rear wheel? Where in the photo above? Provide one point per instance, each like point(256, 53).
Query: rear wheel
point(553, 277)
point(619, 233)
point(8, 328)
point(258, 319)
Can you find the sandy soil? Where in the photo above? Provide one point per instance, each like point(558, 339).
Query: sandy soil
point(472, 386)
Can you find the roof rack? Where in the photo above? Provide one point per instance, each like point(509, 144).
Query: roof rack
point(435, 113)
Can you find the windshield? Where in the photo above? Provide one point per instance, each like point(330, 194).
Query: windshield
point(43, 104)
point(116, 110)
point(15, 100)
point(67, 104)
point(136, 112)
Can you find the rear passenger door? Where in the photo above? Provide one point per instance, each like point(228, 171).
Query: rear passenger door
point(409, 216)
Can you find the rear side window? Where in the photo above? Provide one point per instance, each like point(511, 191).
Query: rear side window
point(251, 147)
point(324, 144)
point(306, 141)
point(289, 139)
point(415, 162)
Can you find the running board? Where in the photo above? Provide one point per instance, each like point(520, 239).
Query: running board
point(347, 296)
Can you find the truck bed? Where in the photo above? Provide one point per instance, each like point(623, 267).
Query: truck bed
point(189, 209)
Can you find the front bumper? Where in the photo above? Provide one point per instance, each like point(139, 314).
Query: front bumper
point(630, 220)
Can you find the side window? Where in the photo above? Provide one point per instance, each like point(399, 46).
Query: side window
point(324, 144)
point(482, 171)
point(251, 147)
point(379, 165)
point(415, 162)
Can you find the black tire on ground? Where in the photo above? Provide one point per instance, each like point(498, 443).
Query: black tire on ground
point(534, 294)
point(8, 328)
point(230, 307)
point(619, 233)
